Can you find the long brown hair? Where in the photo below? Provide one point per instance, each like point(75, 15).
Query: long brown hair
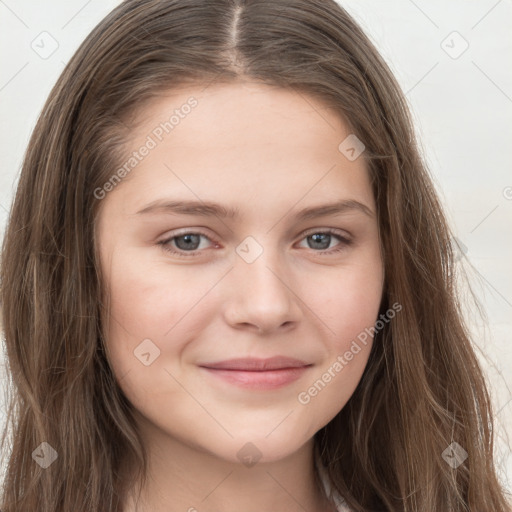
point(422, 388)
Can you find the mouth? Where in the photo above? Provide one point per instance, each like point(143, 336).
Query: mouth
point(263, 374)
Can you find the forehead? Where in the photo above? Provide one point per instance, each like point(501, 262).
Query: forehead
point(242, 141)
point(248, 113)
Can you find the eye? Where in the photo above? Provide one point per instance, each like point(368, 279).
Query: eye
point(188, 244)
point(321, 239)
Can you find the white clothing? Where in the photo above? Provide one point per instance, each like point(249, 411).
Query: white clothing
point(332, 494)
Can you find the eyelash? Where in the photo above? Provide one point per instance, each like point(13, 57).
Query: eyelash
point(345, 242)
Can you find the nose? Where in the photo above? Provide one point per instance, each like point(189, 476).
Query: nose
point(260, 295)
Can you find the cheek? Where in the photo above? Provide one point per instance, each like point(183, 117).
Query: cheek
point(149, 304)
point(348, 302)
point(349, 316)
point(144, 306)
point(148, 298)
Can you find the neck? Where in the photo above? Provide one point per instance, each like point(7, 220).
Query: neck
point(186, 478)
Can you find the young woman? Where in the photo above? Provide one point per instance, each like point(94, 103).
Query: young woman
point(227, 281)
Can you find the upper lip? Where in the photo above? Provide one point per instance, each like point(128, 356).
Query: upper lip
point(256, 364)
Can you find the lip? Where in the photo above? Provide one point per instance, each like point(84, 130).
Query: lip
point(263, 374)
point(255, 364)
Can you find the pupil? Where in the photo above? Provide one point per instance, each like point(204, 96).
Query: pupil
point(189, 241)
point(317, 239)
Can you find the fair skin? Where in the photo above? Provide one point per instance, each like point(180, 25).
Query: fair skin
point(270, 153)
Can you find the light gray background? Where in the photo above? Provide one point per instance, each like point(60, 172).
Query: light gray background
point(461, 102)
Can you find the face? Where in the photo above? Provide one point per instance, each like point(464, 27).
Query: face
point(236, 294)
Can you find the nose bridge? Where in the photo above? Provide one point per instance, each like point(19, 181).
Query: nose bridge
point(261, 295)
point(258, 265)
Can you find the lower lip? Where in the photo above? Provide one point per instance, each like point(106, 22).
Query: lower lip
point(269, 379)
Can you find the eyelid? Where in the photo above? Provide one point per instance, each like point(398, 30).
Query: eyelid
point(165, 242)
point(185, 231)
point(344, 236)
point(334, 231)
point(198, 231)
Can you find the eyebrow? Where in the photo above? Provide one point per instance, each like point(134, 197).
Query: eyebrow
point(209, 208)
